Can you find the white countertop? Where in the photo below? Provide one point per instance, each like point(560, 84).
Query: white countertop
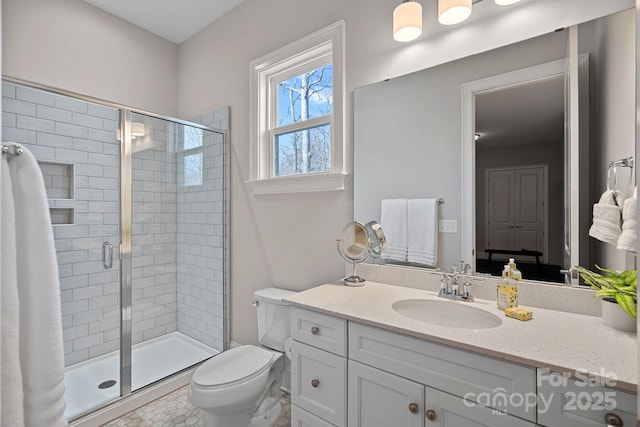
point(562, 342)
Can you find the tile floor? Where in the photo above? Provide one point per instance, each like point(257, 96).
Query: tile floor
point(174, 410)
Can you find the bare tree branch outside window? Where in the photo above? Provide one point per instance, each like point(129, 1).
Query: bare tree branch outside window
point(301, 98)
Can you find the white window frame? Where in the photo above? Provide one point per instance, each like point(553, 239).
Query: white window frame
point(322, 47)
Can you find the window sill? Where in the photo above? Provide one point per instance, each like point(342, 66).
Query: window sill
point(330, 181)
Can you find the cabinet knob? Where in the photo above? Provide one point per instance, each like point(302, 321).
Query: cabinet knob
point(315, 330)
point(315, 383)
point(613, 420)
point(413, 408)
point(431, 415)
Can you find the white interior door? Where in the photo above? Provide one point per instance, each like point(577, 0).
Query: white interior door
point(529, 222)
point(517, 209)
point(500, 209)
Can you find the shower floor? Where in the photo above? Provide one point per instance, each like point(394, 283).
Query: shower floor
point(150, 361)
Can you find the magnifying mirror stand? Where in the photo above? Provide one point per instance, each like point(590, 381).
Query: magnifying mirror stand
point(354, 280)
point(356, 243)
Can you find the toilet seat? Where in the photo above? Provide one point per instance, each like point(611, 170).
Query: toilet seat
point(232, 366)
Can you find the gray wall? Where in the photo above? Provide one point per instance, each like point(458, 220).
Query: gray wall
point(615, 114)
point(72, 45)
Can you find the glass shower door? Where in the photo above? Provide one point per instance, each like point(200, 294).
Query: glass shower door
point(173, 247)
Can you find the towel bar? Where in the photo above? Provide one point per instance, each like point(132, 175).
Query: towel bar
point(11, 150)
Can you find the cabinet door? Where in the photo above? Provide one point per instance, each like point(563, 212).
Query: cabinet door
point(445, 410)
point(302, 418)
point(318, 382)
point(377, 398)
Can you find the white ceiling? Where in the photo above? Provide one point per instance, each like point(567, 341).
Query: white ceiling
point(173, 20)
point(502, 118)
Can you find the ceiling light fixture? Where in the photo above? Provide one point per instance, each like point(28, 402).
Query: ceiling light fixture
point(137, 129)
point(506, 2)
point(451, 12)
point(407, 21)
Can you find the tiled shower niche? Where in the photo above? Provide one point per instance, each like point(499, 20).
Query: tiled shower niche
point(58, 179)
point(59, 184)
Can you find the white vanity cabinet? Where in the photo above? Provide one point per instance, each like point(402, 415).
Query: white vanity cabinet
point(318, 369)
point(378, 398)
point(418, 383)
point(346, 374)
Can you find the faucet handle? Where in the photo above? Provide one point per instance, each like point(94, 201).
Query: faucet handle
point(466, 291)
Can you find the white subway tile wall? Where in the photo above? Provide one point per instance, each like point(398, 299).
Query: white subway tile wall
point(201, 302)
point(177, 231)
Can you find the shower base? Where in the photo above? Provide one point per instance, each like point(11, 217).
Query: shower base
point(89, 384)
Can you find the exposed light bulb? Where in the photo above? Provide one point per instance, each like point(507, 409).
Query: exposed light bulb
point(407, 21)
point(451, 12)
point(506, 2)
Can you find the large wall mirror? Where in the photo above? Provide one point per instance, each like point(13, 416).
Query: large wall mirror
point(518, 151)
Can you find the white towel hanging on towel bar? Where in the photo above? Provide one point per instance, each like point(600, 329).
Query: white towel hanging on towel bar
point(11, 390)
point(40, 324)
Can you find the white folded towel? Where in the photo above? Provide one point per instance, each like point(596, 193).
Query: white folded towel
point(393, 220)
point(41, 348)
point(423, 231)
point(607, 215)
point(628, 238)
point(11, 390)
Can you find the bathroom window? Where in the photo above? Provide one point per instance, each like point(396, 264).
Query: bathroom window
point(193, 137)
point(297, 97)
point(193, 140)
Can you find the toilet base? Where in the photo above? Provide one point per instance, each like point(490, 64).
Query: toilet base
point(243, 419)
point(269, 418)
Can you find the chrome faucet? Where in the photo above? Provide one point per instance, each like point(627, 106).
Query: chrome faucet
point(465, 267)
point(450, 288)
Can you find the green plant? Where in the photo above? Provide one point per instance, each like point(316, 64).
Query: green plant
point(621, 286)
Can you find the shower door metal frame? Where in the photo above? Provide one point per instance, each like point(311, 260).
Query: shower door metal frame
point(126, 289)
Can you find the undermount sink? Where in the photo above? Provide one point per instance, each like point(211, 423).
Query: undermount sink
point(446, 313)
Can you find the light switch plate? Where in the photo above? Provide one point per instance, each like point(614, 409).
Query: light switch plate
point(448, 226)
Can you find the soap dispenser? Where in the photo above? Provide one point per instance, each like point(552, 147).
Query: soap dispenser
point(515, 273)
point(507, 290)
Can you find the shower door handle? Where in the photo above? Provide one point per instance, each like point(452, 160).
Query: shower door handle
point(107, 259)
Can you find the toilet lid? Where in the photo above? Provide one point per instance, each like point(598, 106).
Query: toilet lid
point(232, 365)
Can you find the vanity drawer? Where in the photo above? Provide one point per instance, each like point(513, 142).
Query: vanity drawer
point(319, 382)
point(302, 418)
point(319, 330)
point(568, 402)
point(458, 372)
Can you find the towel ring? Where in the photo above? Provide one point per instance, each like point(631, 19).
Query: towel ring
point(612, 174)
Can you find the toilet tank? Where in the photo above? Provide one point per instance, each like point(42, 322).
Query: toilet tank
point(274, 317)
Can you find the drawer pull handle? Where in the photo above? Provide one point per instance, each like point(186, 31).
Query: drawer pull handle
point(431, 415)
point(315, 330)
point(413, 408)
point(315, 383)
point(613, 420)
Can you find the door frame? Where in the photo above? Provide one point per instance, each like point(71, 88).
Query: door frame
point(469, 91)
point(545, 199)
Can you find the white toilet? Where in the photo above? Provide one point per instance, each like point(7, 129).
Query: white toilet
point(241, 387)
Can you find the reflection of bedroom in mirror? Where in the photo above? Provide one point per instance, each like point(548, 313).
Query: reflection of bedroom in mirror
point(519, 150)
